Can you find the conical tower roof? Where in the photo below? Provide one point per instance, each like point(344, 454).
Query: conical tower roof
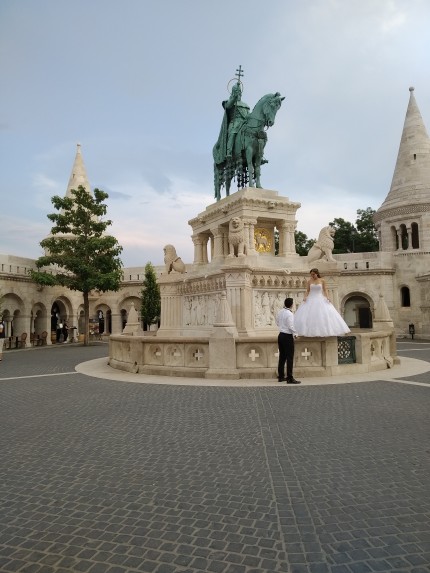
point(410, 186)
point(78, 175)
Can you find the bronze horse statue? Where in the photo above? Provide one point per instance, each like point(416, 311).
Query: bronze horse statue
point(247, 156)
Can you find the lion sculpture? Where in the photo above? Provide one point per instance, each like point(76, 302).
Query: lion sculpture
point(236, 238)
point(323, 248)
point(172, 261)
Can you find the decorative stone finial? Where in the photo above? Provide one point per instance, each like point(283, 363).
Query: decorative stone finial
point(133, 326)
point(223, 315)
point(411, 89)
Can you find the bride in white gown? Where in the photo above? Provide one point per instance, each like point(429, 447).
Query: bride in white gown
point(316, 316)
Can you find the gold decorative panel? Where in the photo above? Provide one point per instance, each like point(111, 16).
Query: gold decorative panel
point(263, 240)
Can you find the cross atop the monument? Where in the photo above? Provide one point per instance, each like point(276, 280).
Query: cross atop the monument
point(239, 73)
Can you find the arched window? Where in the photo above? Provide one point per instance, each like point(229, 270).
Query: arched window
point(123, 318)
point(415, 236)
point(404, 236)
point(405, 296)
point(394, 239)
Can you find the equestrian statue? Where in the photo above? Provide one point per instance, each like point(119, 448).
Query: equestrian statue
point(238, 153)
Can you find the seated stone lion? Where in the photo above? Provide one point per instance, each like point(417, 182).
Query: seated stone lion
point(323, 248)
point(172, 261)
point(236, 238)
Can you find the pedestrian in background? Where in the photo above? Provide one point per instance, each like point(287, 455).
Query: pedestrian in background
point(2, 337)
point(65, 331)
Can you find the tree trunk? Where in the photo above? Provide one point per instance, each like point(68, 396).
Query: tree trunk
point(86, 319)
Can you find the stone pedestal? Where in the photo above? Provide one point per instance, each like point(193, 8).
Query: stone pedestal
point(218, 320)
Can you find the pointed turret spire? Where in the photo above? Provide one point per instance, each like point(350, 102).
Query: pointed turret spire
point(78, 175)
point(411, 179)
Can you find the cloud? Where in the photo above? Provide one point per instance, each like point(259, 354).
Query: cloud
point(147, 128)
point(44, 182)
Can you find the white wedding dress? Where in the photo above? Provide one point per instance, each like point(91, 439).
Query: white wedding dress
point(318, 317)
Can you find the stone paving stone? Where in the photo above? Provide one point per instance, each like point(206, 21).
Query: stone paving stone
point(116, 477)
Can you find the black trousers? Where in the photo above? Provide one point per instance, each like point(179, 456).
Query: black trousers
point(286, 354)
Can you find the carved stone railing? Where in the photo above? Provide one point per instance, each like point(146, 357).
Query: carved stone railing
point(346, 350)
point(229, 357)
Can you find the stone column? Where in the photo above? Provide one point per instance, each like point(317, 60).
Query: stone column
point(409, 231)
point(286, 238)
point(239, 296)
point(218, 251)
point(116, 323)
point(205, 240)
point(399, 239)
point(249, 233)
point(198, 254)
point(8, 326)
point(225, 242)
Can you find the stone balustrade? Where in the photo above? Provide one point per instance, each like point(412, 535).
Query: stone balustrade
point(235, 358)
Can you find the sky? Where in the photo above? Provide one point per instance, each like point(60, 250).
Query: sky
point(139, 84)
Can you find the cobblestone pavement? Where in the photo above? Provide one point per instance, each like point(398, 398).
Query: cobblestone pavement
point(419, 349)
point(112, 477)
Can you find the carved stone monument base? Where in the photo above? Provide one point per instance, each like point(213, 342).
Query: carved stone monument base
point(218, 319)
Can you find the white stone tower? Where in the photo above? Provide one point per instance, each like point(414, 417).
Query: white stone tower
point(403, 220)
point(78, 177)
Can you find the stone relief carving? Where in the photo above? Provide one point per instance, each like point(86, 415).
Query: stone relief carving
point(267, 304)
point(201, 286)
point(200, 310)
point(236, 238)
point(279, 281)
point(323, 248)
point(172, 261)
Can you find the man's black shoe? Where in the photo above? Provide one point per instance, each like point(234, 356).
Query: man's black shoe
point(282, 379)
point(293, 381)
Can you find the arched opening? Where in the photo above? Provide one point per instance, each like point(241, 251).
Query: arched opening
point(126, 305)
point(81, 322)
point(415, 236)
point(357, 313)
point(39, 321)
point(109, 320)
point(394, 238)
point(123, 318)
point(405, 296)
point(404, 237)
point(58, 320)
point(101, 319)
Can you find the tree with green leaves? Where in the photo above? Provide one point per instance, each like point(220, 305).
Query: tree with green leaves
point(345, 237)
point(78, 254)
point(303, 244)
point(151, 298)
point(359, 238)
point(368, 236)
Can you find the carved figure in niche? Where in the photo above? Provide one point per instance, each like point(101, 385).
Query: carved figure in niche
point(257, 309)
point(188, 303)
point(278, 304)
point(216, 302)
point(200, 311)
point(265, 309)
point(193, 320)
point(172, 261)
point(236, 238)
point(323, 248)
